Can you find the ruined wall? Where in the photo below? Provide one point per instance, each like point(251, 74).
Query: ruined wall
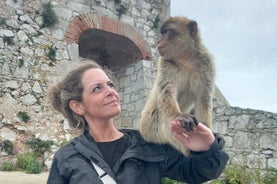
point(27, 72)
point(27, 69)
point(250, 136)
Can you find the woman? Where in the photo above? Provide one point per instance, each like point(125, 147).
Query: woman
point(105, 154)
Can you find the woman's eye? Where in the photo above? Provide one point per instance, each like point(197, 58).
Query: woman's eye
point(96, 89)
point(111, 85)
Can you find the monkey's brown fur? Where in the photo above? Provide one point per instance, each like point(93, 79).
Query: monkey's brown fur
point(184, 83)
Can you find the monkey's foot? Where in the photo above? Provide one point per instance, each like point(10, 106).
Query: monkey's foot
point(220, 139)
point(188, 121)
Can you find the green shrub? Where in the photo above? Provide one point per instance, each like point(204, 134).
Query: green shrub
point(49, 18)
point(28, 162)
point(24, 160)
point(156, 22)
point(270, 177)
point(23, 116)
point(34, 167)
point(170, 181)
point(8, 147)
point(121, 9)
point(64, 142)
point(52, 54)
point(117, 2)
point(20, 65)
point(8, 40)
point(8, 166)
point(39, 146)
point(217, 182)
point(240, 175)
point(2, 21)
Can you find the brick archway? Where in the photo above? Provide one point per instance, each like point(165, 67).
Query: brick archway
point(100, 36)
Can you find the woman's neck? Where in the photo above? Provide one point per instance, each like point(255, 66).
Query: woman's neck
point(104, 131)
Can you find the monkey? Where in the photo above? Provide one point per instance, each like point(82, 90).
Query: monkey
point(184, 84)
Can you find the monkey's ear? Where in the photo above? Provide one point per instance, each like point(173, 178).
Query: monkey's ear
point(192, 26)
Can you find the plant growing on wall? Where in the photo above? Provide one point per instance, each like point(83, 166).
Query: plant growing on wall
point(34, 167)
point(52, 55)
point(155, 22)
point(39, 146)
point(8, 166)
point(23, 116)
point(21, 63)
point(120, 7)
point(8, 40)
point(2, 21)
point(29, 162)
point(270, 176)
point(7, 146)
point(49, 17)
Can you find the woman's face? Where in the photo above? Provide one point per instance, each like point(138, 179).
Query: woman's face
point(100, 99)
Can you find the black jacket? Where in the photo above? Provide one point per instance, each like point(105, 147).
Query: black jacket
point(142, 163)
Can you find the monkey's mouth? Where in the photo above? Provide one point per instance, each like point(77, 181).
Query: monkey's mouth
point(160, 47)
point(161, 50)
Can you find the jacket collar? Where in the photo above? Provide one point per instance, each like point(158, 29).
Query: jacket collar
point(137, 148)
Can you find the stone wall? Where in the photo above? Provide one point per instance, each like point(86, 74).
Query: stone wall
point(27, 73)
point(250, 136)
point(133, 86)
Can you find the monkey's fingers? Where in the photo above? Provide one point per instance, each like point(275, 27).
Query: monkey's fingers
point(188, 121)
point(195, 120)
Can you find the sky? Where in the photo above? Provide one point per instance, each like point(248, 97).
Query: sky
point(242, 38)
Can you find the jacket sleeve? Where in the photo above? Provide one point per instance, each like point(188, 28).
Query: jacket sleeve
point(57, 171)
point(199, 167)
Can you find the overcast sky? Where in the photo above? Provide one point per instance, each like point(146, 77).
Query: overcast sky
point(242, 37)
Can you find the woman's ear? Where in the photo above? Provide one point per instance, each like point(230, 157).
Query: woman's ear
point(77, 107)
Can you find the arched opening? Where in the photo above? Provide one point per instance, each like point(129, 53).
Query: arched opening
point(108, 48)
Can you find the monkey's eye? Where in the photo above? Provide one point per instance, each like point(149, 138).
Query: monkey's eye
point(164, 31)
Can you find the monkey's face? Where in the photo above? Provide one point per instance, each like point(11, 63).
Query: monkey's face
point(167, 35)
point(178, 38)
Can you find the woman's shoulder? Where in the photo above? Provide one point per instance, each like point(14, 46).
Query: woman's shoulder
point(134, 136)
point(131, 132)
point(65, 150)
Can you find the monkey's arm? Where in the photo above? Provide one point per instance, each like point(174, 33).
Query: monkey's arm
point(203, 105)
point(167, 101)
point(167, 89)
point(169, 106)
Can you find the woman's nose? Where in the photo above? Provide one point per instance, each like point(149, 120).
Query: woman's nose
point(110, 91)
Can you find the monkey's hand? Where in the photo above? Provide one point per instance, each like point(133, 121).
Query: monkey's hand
point(187, 121)
point(200, 139)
